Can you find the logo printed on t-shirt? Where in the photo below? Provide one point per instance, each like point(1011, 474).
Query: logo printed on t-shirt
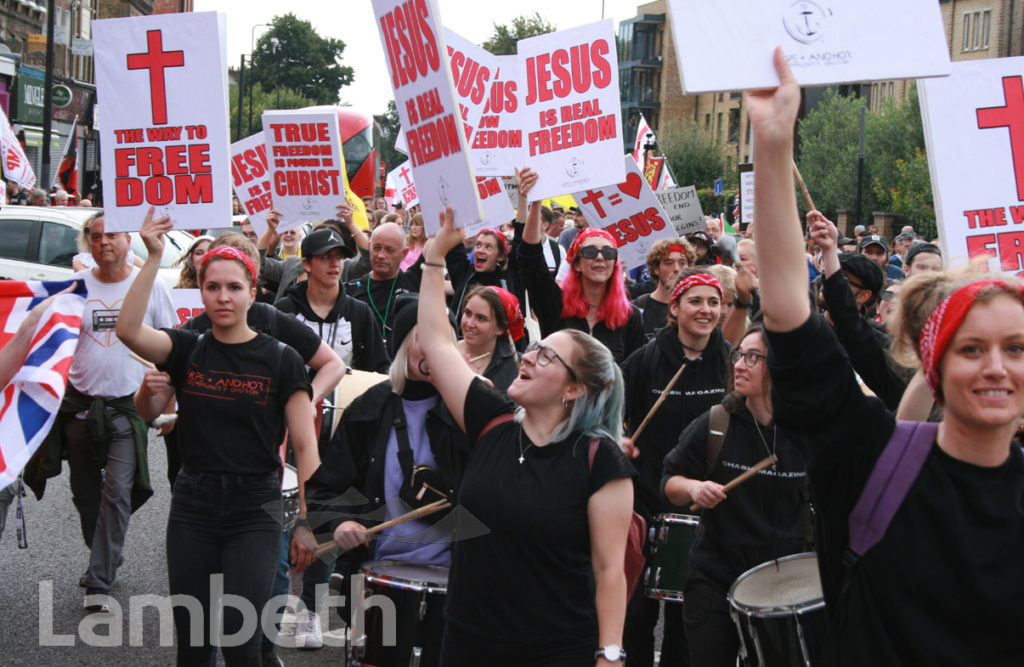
point(228, 386)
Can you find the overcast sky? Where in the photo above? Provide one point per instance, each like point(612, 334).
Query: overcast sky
point(352, 22)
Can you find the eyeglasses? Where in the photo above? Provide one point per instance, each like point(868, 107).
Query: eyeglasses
point(545, 355)
point(591, 252)
point(749, 358)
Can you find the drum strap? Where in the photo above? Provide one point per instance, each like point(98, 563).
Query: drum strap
point(718, 426)
point(405, 456)
point(890, 481)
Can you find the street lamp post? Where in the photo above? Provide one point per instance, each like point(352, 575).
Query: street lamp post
point(252, 48)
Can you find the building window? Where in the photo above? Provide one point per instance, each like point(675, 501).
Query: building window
point(977, 26)
point(718, 128)
point(707, 122)
point(734, 125)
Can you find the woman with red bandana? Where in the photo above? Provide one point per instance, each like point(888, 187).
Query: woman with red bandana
point(692, 341)
point(941, 583)
point(592, 297)
point(492, 323)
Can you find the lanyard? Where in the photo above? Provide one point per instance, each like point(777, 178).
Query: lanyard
point(387, 309)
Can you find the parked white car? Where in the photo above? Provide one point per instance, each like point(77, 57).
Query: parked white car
point(38, 243)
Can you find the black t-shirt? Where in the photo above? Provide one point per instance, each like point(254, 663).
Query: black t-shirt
point(760, 519)
point(944, 584)
point(654, 316)
point(528, 583)
point(264, 318)
point(231, 400)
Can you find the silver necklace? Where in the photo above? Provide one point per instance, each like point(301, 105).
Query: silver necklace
point(522, 450)
point(775, 433)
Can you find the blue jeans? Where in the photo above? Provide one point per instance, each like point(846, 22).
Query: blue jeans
point(227, 525)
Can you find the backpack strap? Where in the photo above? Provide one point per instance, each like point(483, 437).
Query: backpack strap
point(500, 419)
point(890, 481)
point(718, 426)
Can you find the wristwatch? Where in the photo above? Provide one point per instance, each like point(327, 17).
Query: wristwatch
point(611, 653)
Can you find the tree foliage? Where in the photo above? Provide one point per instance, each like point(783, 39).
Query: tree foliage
point(695, 158)
point(389, 127)
point(502, 41)
point(262, 100)
point(291, 55)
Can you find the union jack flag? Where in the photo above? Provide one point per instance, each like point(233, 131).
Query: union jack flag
point(28, 404)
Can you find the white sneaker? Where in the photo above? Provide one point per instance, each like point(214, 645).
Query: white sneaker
point(307, 630)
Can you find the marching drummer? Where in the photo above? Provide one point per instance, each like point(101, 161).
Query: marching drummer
point(399, 447)
point(757, 521)
point(693, 347)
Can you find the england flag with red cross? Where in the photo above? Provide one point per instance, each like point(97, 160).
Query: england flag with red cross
point(29, 402)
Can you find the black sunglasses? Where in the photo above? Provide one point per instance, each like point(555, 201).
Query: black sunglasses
point(591, 252)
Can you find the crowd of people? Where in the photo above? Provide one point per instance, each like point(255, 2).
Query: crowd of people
point(16, 195)
point(656, 393)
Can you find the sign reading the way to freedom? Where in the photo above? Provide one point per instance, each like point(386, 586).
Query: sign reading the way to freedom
point(569, 95)
point(414, 49)
point(164, 139)
point(825, 41)
point(630, 212)
point(974, 130)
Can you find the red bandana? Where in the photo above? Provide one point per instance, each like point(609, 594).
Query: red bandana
point(512, 312)
point(227, 252)
point(694, 281)
point(582, 236)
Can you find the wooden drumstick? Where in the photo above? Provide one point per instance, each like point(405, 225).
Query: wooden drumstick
point(145, 362)
point(426, 510)
point(657, 403)
point(761, 465)
point(803, 189)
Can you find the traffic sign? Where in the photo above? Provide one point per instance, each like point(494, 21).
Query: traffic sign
point(718, 187)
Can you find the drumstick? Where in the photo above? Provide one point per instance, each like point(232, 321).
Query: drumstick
point(803, 188)
point(426, 510)
point(744, 477)
point(145, 362)
point(657, 403)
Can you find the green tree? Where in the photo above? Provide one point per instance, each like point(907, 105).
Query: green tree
point(695, 159)
point(828, 154)
point(502, 41)
point(390, 125)
point(262, 100)
point(291, 55)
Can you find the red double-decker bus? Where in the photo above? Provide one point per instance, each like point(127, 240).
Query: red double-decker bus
point(361, 157)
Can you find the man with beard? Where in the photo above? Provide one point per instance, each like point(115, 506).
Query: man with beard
point(666, 260)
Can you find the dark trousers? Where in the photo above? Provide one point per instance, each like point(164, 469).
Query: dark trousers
point(459, 649)
point(638, 634)
point(227, 525)
point(714, 640)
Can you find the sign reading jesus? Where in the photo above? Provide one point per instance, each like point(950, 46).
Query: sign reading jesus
point(164, 139)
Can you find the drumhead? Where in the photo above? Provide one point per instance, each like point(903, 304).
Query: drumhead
point(686, 519)
point(410, 576)
point(290, 480)
point(788, 586)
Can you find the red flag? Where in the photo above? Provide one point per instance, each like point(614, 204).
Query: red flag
point(67, 172)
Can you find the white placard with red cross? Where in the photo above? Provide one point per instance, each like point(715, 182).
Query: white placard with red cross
point(304, 155)
point(497, 145)
point(250, 177)
point(497, 208)
point(825, 41)
point(974, 130)
point(630, 211)
point(473, 71)
point(405, 184)
point(164, 140)
point(414, 50)
point(571, 116)
point(188, 303)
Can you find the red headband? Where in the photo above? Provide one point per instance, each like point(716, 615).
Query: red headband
point(582, 236)
point(502, 241)
point(696, 280)
point(512, 312)
point(942, 324)
point(676, 248)
point(227, 252)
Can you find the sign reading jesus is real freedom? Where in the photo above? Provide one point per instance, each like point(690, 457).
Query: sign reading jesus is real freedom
point(164, 138)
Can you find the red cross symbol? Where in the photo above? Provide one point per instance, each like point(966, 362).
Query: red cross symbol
point(155, 60)
point(1010, 116)
point(404, 173)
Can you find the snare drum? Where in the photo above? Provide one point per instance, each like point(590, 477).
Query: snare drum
point(779, 612)
point(418, 593)
point(351, 387)
point(290, 496)
point(671, 538)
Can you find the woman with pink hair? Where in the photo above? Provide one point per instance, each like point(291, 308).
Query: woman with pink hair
point(592, 297)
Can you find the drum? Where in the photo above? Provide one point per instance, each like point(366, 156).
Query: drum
point(671, 538)
point(290, 496)
point(351, 387)
point(413, 637)
point(779, 612)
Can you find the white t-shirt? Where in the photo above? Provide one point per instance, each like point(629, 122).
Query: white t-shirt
point(101, 366)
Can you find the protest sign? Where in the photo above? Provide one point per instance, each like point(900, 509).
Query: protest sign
point(497, 146)
point(630, 212)
point(497, 208)
point(164, 140)
point(414, 47)
point(188, 303)
point(473, 71)
point(250, 177)
point(746, 193)
point(825, 41)
point(569, 94)
point(405, 185)
point(304, 153)
point(683, 208)
point(973, 123)
point(16, 166)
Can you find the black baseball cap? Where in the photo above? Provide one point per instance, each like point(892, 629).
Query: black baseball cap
point(873, 239)
point(323, 241)
point(919, 248)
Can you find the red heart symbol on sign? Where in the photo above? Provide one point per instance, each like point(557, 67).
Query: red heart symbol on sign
point(632, 185)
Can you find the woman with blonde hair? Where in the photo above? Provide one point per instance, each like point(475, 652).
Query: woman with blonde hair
point(414, 240)
point(190, 260)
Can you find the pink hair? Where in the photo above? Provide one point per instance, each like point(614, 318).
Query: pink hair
point(615, 307)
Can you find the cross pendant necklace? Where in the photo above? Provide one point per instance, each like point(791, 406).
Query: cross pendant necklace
point(522, 450)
